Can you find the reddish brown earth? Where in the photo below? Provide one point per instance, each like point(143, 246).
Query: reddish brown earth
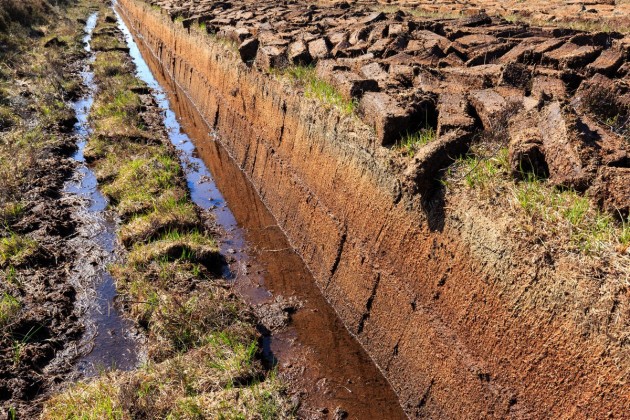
point(463, 319)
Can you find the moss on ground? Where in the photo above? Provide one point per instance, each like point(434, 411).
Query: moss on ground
point(203, 355)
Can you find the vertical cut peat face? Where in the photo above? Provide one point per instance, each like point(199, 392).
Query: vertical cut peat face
point(314, 349)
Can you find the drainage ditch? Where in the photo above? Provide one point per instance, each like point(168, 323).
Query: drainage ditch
point(109, 341)
point(315, 350)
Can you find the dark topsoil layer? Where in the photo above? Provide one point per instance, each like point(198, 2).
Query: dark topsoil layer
point(570, 89)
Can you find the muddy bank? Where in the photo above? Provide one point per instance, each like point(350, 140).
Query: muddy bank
point(202, 346)
point(109, 340)
point(41, 312)
point(460, 318)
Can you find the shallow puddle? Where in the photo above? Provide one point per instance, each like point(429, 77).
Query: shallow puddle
point(108, 341)
point(315, 349)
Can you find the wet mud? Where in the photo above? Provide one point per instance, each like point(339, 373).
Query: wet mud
point(109, 340)
point(40, 344)
point(69, 326)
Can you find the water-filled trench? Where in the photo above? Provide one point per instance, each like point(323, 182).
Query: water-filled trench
point(108, 341)
point(315, 349)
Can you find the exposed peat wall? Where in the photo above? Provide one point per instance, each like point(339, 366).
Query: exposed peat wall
point(442, 303)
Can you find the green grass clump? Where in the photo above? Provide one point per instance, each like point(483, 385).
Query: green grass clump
point(121, 105)
point(11, 211)
point(87, 401)
point(192, 246)
point(9, 307)
point(316, 88)
point(151, 175)
point(16, 249)
point(563, 212)
point(480, 173)
point(119, 110)
point(557, 214)
point(168, 215)
point(412, 142)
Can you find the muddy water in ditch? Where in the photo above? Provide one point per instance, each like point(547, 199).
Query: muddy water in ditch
point(315, 349)
point(108, 341)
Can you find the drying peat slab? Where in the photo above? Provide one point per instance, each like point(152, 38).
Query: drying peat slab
point(404, 74)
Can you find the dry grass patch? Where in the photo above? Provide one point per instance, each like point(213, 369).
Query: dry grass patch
point(179, 305)
point(562, 219)
point(87, 401)
point(206, 383)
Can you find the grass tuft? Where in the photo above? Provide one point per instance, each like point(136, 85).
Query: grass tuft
point(87, 401)
point(192, 247)
point(168, 215)
point(306, 78)
point(16, 249)
point(11, 211)
point(562, 216)
point(9, 307)
point(150, 175)
point(412, 142)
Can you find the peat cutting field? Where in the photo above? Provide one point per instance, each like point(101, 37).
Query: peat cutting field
point(314, 209)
